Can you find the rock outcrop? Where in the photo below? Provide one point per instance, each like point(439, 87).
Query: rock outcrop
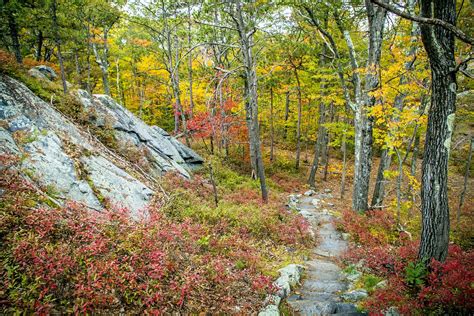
point(67, 160)
point(163, 152)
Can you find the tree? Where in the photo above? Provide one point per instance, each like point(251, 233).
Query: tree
point(245, 24)
point(9, 9)
point(438, 40)
point(363, 123)
point(386, 157)
point(57, 40)
point(103, 20)
point(439, 45)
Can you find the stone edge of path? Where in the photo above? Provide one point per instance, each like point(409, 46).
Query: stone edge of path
point(289, 277)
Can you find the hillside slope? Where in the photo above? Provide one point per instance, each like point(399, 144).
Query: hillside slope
point(65, 158)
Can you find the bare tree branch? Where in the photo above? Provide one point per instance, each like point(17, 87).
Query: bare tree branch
point(432, 21)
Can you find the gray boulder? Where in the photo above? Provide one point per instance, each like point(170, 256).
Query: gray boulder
point(67, 163)
point(117, 185)
point(47, 71)
point(165, 153)
point(355, 295)
point(289, 276)
point(7, 143)
point(52, 168)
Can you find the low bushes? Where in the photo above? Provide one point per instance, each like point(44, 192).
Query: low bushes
point(72, 260)
point(411, 287)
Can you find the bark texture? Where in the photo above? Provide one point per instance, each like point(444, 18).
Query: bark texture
point(439, 45)
point(363, 123)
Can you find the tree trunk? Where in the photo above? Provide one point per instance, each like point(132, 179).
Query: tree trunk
point(416, 148)
point(439, 45)
point(39, 45)
point(246, 42)
point(117, 79)
point(272, 132)
point(102, 60)
point(326, 143)
point(399, 185)
point(190, 66)
point(298, 124)
point(321, 129)
point(379, 189)
point(57, 40)
point(317, 146)
point(13, 28)
point(89, 66)
point(344, 165)
point(141, 96)
point(363, 124)
point(385, 159)
point(78, 67)
point(287, 114)
point(466, 177)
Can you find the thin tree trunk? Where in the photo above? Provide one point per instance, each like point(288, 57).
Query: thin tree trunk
point(78, 67)
point(399, 185)
point(246, 41)
point(89, 67)
point(103, 62)
point(416, 148)
point(13, 28)
point(363, 124)
point(57, 40)
point(326, 143)
point(344, 165)
point(272, 132)
point(287, 114)
point(298, 124)
point(466, 177)
point(379, 188)
point(321, 129)
point(141, 95)
point(190, 66)
point(248, 119)
point(117, 81)
point(39, 45)
point(318, 145)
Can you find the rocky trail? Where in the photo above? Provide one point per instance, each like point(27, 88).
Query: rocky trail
point(325, 287)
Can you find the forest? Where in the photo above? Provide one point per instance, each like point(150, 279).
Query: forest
point(237, 157)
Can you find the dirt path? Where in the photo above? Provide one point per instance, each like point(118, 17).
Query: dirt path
point(324, 281)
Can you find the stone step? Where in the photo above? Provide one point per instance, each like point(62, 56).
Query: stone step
point(320, 291)
point(311, 308)
point(322, 265)
point(323, 275)
point(324, 286)
point(309, 296)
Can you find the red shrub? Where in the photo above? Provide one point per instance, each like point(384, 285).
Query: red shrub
point(71, 260)
point(448, 287)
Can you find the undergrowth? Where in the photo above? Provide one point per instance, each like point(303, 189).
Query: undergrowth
point(382, 251)
point(184, 256)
